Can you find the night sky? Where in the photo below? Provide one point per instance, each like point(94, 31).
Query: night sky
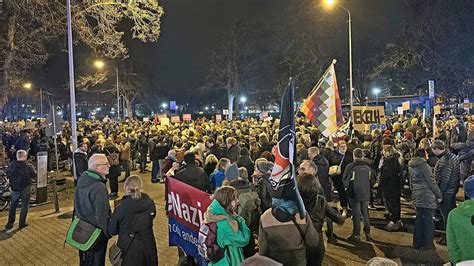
point(178, 63)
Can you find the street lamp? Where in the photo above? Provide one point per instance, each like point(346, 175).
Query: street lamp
point(99, 64)
point(330, 3)
point(28, 86)
point(243, 99)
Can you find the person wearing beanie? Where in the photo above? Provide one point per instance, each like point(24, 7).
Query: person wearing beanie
point(263, 169)
point(192, 174)
point(232, 172)
point(460, 228)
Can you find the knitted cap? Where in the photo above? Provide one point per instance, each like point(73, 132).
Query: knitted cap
point(232, 172)
point(263, 165)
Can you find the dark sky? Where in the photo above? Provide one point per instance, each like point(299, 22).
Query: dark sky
point(179, 62)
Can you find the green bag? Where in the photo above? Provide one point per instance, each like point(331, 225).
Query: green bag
point(82, 235)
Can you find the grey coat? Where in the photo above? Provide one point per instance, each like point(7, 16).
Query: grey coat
point(425, 191)
point(362, 177)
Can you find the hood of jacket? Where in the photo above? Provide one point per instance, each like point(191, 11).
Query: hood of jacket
point(416, 161)
point(78, 150)
point(466, 209)
point(139, 205)
point(215, 213)
point(319, 160)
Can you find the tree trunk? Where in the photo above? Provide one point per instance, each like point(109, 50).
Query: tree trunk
point(237, 107)
point(230, 98)
point(128, 103)
point(8, 60)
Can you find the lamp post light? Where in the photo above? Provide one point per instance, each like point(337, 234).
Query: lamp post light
point(28, 86)
point(99, 64)
point(376, 92)
point(330, 3)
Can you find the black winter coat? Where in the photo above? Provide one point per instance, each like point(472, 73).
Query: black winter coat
point(264, 191)
point(114, 170)
point(135, 217)
point(245, 161)
point(391, 176)
point(323, 175)
point(195, 176)
point(80, 160)
point(233, 153)
point(20, 174)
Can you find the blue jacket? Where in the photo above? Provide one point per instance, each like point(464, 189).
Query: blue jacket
point(216, 178)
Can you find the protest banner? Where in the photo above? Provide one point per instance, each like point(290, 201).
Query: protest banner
point(175, 119)
point(400, 110)
point(437, 109)
point(368, 117)
point(186, 208)
point(218, 118)
point(187, 117)
point(406, 105)
point(164, 121)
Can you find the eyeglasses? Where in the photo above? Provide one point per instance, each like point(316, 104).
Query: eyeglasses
point(107, 163)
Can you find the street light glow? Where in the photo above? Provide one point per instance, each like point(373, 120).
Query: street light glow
point(27, 85)
point(99, 64)
point(376, 91)
point(243, 99)
point(329, 2)
point(164, 105)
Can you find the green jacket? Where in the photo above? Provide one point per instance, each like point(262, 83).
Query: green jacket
point(460, 232)
point(232, 232)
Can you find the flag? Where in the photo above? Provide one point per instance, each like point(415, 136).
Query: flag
point(323, 106)
point(283, 173)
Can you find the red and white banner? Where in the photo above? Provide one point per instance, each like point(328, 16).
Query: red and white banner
point(175, 119)
point(187, 117)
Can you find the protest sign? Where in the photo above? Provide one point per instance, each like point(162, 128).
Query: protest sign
point(164, 121)
point(218, 118)
point(406, 106)
point(367, 117)
point(175, 119)
point(186, 208)
point(187, 117)
point(400, 110)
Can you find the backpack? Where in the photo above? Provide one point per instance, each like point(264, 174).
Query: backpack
point(248, 208)
point(113, 158)
point(207, 243)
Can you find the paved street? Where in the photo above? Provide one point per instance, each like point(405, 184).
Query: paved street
point(42, 242)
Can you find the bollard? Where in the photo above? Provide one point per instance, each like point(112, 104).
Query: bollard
point(55, 196)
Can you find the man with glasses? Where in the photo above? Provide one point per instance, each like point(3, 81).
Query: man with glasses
point(91, 204)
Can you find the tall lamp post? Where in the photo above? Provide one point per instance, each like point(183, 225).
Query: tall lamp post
point(331, 3)
point(99, 64)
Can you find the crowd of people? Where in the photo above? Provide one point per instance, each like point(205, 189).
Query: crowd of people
point(338, 178)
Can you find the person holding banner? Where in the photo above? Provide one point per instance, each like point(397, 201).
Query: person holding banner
point(232, 232)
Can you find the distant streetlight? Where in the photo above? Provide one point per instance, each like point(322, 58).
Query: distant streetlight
point(376, 92)
point(243, 99)
point(164, 105)
point(28, 86)
point(329, 4)
point(206, 108)
point(100, 64)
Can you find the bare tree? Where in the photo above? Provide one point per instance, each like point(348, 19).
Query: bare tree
point(233, 63)
point(31, 24)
